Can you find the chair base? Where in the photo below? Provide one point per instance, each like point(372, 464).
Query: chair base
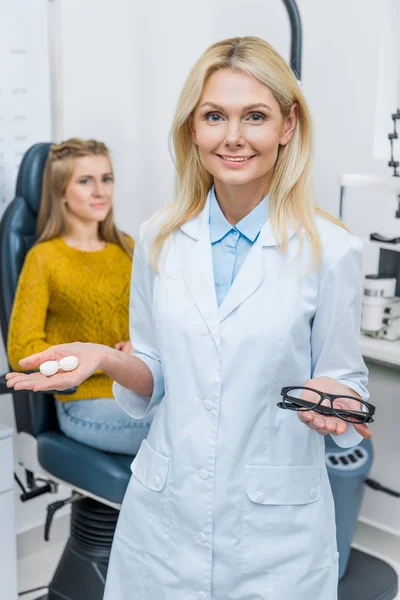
point(368, 578)
point(82, 570)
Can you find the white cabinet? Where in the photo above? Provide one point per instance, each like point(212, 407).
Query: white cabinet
point(8, 547)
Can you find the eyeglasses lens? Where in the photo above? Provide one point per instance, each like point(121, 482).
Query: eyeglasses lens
point(301, 399)
point(352, 411)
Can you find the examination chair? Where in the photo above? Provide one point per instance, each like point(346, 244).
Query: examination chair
point(98, 479)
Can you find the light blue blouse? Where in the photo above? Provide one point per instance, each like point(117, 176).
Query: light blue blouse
point(231, 244)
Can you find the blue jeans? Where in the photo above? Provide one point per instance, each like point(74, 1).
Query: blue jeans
point(102, 424)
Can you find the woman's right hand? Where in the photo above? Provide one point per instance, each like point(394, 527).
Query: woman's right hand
point(90, 356)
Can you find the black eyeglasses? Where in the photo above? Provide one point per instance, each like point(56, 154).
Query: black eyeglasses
point(313, 400)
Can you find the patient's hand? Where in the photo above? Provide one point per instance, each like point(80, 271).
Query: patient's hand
point(124, 347)
point(90, 356)
point(333, 425)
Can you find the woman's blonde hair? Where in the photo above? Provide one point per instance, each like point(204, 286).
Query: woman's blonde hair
point(52, 218)
point(291, 199)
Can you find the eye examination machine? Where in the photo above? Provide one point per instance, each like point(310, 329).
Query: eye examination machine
point(381, 303)
point(98, 479)
point(381, 300)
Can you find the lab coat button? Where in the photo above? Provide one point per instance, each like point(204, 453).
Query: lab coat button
point(260, 498)
point(202, 538)
point(313, 494)
point(201, 596)
point(207, 405)
point(157, 481)
point(203, 474)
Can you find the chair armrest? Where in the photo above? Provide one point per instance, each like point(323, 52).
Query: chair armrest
point(62, 392)
point(6, 390)
point(3, 385)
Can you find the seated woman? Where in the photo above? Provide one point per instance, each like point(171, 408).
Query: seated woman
point(75, 285)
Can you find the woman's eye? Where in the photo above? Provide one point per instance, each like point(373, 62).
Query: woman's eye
point(257, 117)
point(213, 117)
point(84, 181)
point(107, 179)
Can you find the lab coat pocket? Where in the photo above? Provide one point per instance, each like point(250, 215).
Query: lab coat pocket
point(149, 522)
point(285, 523)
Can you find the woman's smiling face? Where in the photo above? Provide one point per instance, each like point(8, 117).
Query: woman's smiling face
point(238, 128)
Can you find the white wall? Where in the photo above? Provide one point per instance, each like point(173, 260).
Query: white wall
point(124, 86)
point(388, 84)
point(24, 120)
point(94, 78)
point(121, 76)
point(375, 94)
point(24, 86)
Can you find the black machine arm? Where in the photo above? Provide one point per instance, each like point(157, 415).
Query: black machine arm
point(296, 36)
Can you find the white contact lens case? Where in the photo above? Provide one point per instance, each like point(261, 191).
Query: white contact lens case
point(51, 367)
point(68, 363)
point(48, 368)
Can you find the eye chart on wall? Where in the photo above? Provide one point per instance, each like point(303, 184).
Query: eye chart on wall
point(25, 116)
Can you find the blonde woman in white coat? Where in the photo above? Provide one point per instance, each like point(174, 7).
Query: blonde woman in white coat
point(240, 287)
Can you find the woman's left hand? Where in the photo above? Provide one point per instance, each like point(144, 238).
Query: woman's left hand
point(333, 425)
point(124, 347)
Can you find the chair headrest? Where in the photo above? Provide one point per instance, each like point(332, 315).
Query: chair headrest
point(30, 176)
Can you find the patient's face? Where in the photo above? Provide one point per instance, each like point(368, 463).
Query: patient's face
point(89, 193)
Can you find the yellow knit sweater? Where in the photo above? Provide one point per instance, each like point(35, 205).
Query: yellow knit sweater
point(69, 295)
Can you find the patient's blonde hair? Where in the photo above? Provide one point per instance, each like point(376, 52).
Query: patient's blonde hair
point(52, 218)
point(291, 198)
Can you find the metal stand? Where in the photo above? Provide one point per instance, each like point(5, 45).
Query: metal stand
point(82, 570)
point(296, 38)
point(394, 136)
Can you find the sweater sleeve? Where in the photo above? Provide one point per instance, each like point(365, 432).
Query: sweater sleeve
point(27, 333)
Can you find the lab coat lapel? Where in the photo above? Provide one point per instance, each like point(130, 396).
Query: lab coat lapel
point(251, 273)
point(198, 269)
point(199, 272)
point(247, 281)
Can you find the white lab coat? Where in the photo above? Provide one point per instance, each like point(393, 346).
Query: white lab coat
point(229, 498)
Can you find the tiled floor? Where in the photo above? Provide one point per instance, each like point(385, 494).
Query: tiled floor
point(36, 568)
point(37, 559)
